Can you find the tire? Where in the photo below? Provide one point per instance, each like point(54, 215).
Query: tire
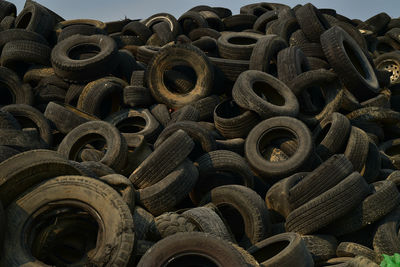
point(163, 32)
point(349, 249)
point(179, 81)
point(24, 52)
point(136, 96)
point(136, 28)
point(382, 116)
point(331, 135)
point(277, 197)
point(360, 261)
point(357, 148)
point(291, 250)
point(123, 186)
point(291, 127)
point(328, 206)
point(317, 63)
point(170, 223)
point(14, 92)
point(312, 22)
point(386, 240)
point(98, 168)
point(225, 161)
point(170, 191)
point(116, 153)
point(237, 46)
point(244, 211)
point(265, 53)
point(208, 221)
point(265, 95)
point(163, 160)
point(197, 247)
point(195, 58)
point(163, 17)
point(350, 63)
point(239, 22)
point(326, 176)
point(102, 97)
point(194, 130)
point(372, 166)
point(232, 121)
point(7, 152)
point(321, 247)
point(65, 117)
point(143, 221)
point(186, 113)
point(291, 62)
point(262, 21)
point(384, 198)
point(7, 121)
point(161, 113)
point(28, 117)
point(230, 68)
point(201, 32)
point(72, 66)
point(34, 17)
point(206, 107)
point(92, 195)
point(7, 9)
point(27, 169)
point(145, 53)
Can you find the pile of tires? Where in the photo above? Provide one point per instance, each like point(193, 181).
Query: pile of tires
point(265, 138)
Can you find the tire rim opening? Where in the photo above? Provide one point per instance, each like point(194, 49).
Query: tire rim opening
point(134, 124)
point(83, 51)
point(357, 61)
point(62, 235)
point(275, 138)
point(268, 93)
point(91, 141)
point(180, 78)
point(110, 102)
point(270, 251)
point(191, 259)
point(228, 110)
point(6, 95)
point(24, 21)
point(242, 40)
point(237, 226)
point(322, 134)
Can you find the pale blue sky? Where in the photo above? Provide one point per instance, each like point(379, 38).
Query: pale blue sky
point(108, 10)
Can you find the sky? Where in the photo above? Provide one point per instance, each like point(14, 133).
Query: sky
point(110, 10)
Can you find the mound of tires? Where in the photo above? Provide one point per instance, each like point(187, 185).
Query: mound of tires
point(265, 138)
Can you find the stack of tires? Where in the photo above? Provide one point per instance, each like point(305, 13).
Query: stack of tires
point(265, 138)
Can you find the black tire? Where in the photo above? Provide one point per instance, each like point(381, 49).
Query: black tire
point(143, 221)
point(317, 63)
point(372, 166)
point(161, 113)
point(167, 193)
point(71, 66)
point(265, 54)
point(146, 52)
point(164, 59)
point(357, 148)
point(257, 140)
point(179, 81)
point(328, 206)
point(191, 20)
point(7, 152)
point(163, 160)
point(349, 249)
point(102, 97)
point(312, 22)
point(98, 168)
point(384, 198)
point(36, 18)
point(243, 210)
point(197, 247)
point(27, 169)
point(116, 153)
point(186, 113)
point(321, 247)
point(262, 21)
point(90, 195)
point(265, 95)
point(208, 221)
point(29, 117)
point(170, 223)
point(7, 9)
point(326, 176)
point(20, 34)
point(163, 17)
point(224, 161)
point(386, 240)
point(194, 130)
point(239, 22)
point(237, 46)
point(232, 121)
point(277, 197)
point(201, 32)
point(206, 107)
point(137, 96)
point(136, 28)
point(19, 54)
point(350, 63)
point(65, 117)
point(235, 145)
point(289, 249)
point(291, 62)
point(331, 135)
point(230, 68)
point(13, 91)
point(7, 121)
point(82, 29)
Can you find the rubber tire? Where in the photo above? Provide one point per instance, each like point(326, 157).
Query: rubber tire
point(117, 149)
point(114, 216)
point(239, 51)
point(247, 95)
point(357, 148)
